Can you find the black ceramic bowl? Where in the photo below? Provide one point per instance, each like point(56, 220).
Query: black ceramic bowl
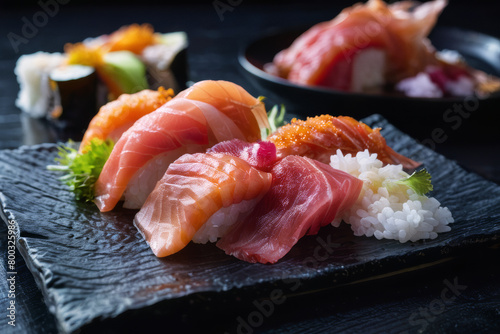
point(431, 120)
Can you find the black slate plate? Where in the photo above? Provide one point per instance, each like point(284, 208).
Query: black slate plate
point(93, 267)
point(455, 117)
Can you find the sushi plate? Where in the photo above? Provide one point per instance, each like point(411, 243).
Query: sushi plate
point(427, 114)
point(95, 268)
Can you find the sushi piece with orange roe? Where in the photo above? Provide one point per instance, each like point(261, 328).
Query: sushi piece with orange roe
point(115, 117)
point(319, 138)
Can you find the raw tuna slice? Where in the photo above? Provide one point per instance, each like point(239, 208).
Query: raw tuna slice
point(305, 195)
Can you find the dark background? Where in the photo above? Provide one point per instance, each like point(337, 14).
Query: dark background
point(214, 45)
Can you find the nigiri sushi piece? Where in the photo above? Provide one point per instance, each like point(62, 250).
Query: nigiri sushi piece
point(319, 138)
point(365, 47)
point(117, 116)
point(182, 125)
point(304, 196)
point(245, 111)
point(195, 188)
point(146, 149)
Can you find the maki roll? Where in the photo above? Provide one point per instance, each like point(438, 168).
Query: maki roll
point(75, 95)
point(166, 62)
point(32, 72)
point(69, 88)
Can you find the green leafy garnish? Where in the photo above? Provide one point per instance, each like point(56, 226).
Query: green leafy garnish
point(276, 119)
point(419, 181)
point(82, 169)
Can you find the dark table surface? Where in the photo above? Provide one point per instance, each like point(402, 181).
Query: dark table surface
point(404, 303)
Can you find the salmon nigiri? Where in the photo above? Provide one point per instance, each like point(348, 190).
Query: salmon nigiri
point(197, 188)
point(232, 101)
point(182, 125)
point(304, 196)
point(319, 138)
point(115, 117)
point(365, 47)
point(146, 149)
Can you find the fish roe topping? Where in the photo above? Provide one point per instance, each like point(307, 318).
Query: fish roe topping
point(299, 131)
point(117, 116)
point(321, 136)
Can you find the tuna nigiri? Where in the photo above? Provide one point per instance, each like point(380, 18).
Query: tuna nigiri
point(115, 117)
point(305, 195)
point(182, 125)
point(195, 188)
point(319, 138)
point(365, 47)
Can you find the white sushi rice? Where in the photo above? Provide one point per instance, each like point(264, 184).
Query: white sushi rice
point(145, 179)
point(385, 209)
point(218, 224)
point(32, 73)
point(368, 70)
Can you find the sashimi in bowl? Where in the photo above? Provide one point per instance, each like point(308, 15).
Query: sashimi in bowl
point(366, 81)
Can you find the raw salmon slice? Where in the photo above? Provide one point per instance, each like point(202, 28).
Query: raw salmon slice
point(261, 155)
point(177, 124)
point(115, 117)
point(194, 188)
point(246, 111)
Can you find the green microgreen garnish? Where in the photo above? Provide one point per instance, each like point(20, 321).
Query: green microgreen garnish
point(82, 169)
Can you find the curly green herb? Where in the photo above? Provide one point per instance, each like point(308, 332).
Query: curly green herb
point(82, 169)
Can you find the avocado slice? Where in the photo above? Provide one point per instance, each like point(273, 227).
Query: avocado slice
point(124, 73)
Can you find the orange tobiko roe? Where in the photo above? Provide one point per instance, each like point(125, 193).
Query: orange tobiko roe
point(115, 117)
point(321, 136)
